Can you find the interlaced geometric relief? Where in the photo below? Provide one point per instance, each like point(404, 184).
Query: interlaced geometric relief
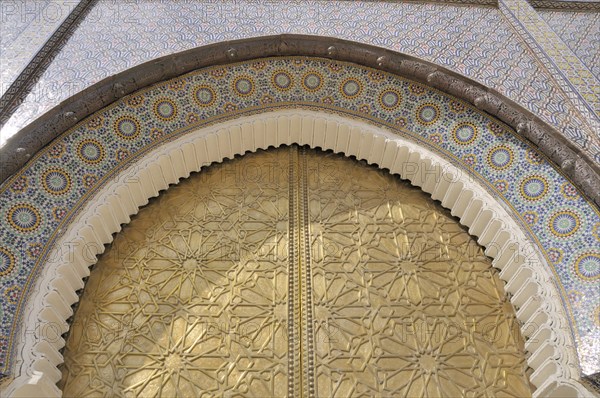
point(191, 299)
point(293, 272)
point(405, 301)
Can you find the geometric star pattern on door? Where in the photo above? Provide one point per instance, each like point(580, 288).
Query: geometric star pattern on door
point(195, 296)
point(44, 198)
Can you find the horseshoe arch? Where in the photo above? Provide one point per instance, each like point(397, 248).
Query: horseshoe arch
point(145, 141)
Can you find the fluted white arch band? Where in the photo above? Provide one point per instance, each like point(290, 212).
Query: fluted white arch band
point(550, 345)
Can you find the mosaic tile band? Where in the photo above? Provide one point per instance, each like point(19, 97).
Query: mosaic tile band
point(57, 182)
point(476, 41)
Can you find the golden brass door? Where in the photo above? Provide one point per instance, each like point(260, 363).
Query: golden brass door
point(293, 272)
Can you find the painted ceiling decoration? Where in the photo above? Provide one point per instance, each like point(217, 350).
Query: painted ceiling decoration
point(42, 198)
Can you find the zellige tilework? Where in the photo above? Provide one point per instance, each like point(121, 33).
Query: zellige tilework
point(44, 197)
point(24, 28)
point(475, 41)
point(580, 31)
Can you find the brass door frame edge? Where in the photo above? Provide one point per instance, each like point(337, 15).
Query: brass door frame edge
point(306, 301)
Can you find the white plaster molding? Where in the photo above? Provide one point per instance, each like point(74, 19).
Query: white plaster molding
point(529, 281)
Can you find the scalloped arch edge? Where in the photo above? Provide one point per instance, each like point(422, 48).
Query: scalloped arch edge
point(549, 344)
point(575, 163)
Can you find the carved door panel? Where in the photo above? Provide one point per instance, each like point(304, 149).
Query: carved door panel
point(293, 272)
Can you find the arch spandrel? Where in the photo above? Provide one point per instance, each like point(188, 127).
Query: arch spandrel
point(545, 206)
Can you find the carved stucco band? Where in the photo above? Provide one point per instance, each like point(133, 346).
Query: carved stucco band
point(550, 347)
point(576, 165)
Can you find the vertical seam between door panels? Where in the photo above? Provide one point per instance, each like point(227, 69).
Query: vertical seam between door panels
point(307, 308)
